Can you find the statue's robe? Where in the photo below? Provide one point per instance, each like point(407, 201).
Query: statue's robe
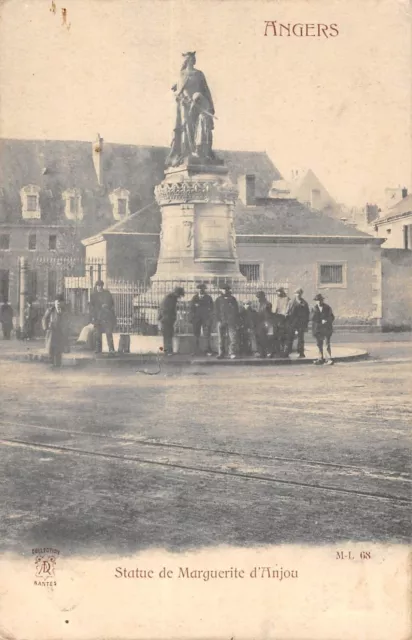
point(193, 128)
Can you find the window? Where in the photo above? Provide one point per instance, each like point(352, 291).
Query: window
point(73, 204)
point(122, 206)
point(407, 236)
point(250, 190)
point(4, 285)
point(32, 281)
point(52, 243)
point(30, 201)
point(119, 199)
point(32, 242)
point(4, 241)
point(250, 271)
point(332, 275)
point(315, 199)
point(51, 285)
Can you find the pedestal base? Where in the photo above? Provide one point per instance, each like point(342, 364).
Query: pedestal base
point(198, 240)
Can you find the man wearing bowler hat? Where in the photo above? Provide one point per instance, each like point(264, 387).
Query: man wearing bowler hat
point(103, 316)
point(228, 321)
point(201, 316)
point(322, 328)
point(167, 317)
point(297, 321)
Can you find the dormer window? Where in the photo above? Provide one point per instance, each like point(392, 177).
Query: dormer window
point(30, 202)
point(73, 204)
point(120, 203)
point(122, 207)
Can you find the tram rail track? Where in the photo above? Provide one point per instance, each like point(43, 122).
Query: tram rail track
point(208, 469)
point(229, 452)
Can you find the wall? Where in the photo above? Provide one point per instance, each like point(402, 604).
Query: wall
point(394, 239)
point(132, 257)
point(67, 245)
point(358, 302)
point(396, 288)
point(97, 251)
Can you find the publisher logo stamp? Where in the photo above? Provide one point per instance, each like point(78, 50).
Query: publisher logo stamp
point(45, 565)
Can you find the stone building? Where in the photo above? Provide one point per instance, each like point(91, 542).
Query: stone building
point(394, 224)
point(54, 194)
point(278, 239)
point(394, 227)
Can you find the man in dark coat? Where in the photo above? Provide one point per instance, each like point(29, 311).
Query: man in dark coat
point(103, 316)
point(30, 318)
point(201, 316)
point(280, 312)
point(322, 328)
point(264, 329)
point(297, 321)
point(247, 330)
point(228, 320)
point(167, 317)
point(6, 319)
point(56, 325)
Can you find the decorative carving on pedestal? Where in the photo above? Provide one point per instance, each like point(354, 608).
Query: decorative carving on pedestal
point(195, 191)
point(232, 235)
point(188, 231)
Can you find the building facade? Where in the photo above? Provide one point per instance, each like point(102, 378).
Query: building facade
point(54, 194)
point(279, 240)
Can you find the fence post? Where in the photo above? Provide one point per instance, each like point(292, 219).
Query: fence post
point(24, 289)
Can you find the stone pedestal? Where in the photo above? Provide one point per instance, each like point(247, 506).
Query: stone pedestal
point(198, 240)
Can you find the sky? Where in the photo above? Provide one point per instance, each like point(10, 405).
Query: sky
point(341, 106)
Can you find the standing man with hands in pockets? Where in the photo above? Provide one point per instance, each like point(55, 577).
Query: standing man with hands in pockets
point(322, 328)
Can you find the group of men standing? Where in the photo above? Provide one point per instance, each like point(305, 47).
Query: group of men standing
point(269, 330)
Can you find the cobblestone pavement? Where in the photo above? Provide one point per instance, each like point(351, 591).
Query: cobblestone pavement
point(100, 460)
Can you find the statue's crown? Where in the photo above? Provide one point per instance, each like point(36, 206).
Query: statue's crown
point(188, 53)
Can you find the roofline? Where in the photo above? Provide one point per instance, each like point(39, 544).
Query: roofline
point(86, 242)
point(391, 218)
point(34, 225)
point(100, 237)
point(129, 233)
point(298, 238)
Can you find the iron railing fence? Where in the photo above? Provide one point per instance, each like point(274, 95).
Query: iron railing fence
point(136, 303)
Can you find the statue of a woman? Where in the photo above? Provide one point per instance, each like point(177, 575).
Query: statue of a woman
point(193, 133)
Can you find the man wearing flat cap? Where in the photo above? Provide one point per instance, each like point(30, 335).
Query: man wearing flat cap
point(228, 321)
point(297, 321)
point(103, 316)
point(280, 312)
point(167, 317)
point(322, 328)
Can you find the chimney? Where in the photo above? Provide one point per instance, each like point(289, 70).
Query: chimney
point(404, 192)
point(97, 150)
point(247, 189)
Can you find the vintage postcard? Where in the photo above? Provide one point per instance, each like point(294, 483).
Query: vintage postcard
point(206, 316)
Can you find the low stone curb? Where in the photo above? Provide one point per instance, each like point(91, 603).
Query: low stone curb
point(81, 359)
